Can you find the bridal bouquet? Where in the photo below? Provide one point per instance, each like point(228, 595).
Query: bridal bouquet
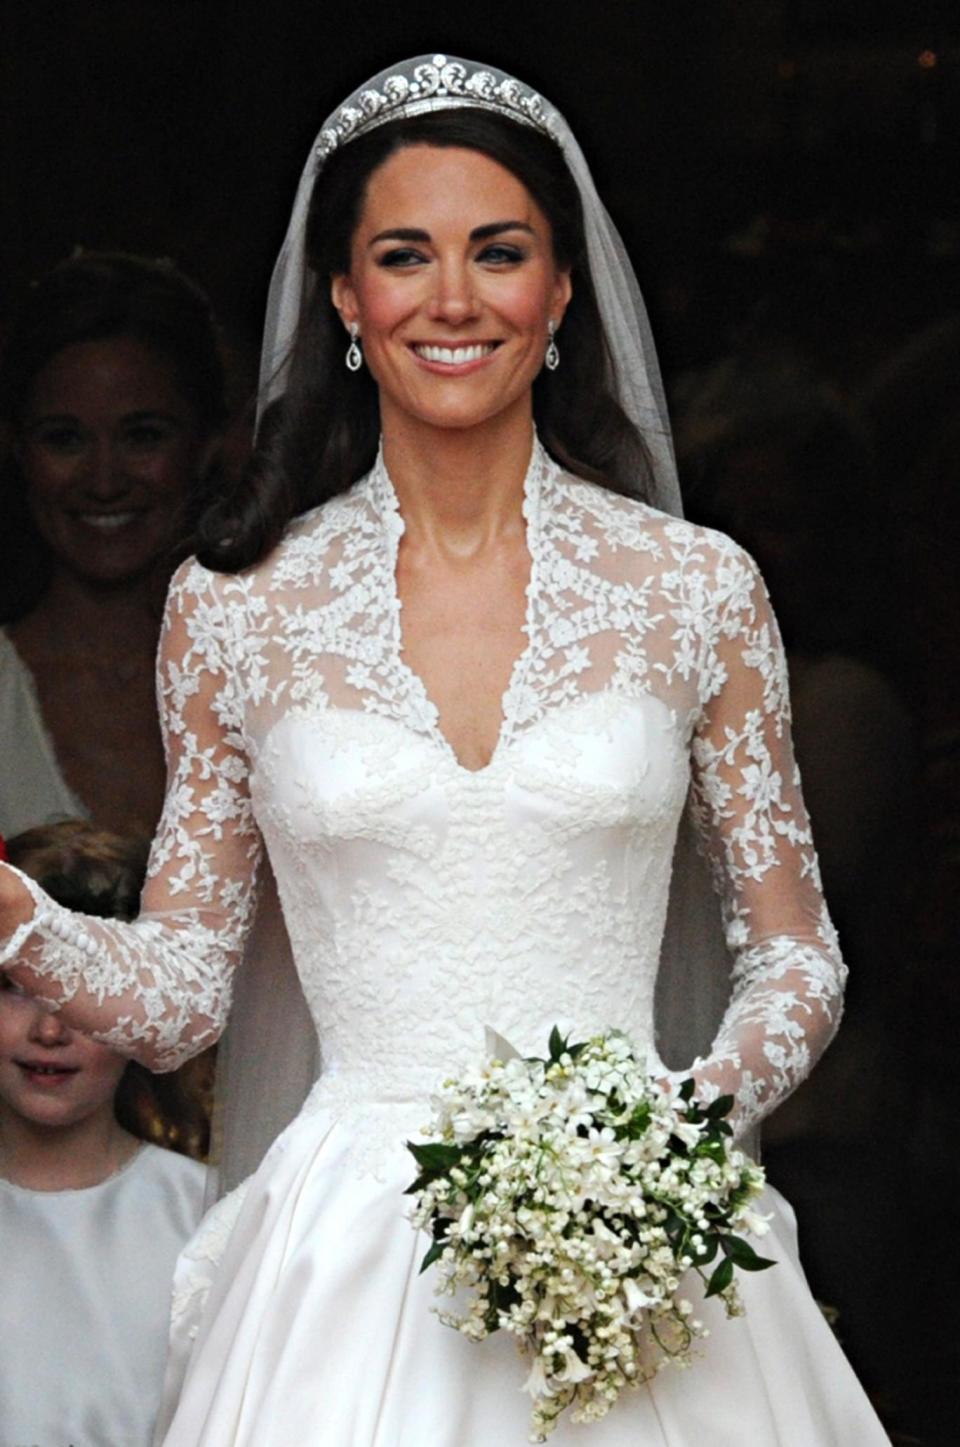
point(566, 1198)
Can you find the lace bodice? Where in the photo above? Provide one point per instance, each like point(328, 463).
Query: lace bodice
point(424, 901)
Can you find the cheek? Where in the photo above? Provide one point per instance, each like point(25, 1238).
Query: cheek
point(528, 307)
point(44, 476)
point(175, 469)
point(103, 1067)
point(12, 1032)
point(383, 302)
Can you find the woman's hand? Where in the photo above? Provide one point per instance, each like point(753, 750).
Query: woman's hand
point(16, 902)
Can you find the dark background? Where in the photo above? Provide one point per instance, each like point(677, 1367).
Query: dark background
point(801, 148)
point(780, 169)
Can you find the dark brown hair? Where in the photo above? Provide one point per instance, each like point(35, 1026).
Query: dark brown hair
point(100, 873)
point(322, 435)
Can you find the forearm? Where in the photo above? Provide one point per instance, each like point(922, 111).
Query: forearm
point(157, 989)
point(784, 1011)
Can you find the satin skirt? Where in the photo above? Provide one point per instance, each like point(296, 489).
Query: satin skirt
point(312, 1327)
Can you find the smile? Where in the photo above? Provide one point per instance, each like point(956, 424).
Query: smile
point(455, 356)
point(51, 1070)
point(108, 522)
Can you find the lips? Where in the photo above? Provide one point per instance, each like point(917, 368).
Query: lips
point(108, 522)
point(454, 356)
point(40, 1072)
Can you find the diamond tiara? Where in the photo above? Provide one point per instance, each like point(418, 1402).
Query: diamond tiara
point(437, 84)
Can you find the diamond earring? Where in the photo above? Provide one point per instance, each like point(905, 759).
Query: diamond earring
point(354, 357)
point(551, 358)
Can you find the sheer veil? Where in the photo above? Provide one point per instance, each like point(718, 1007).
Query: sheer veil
point(269, 1053)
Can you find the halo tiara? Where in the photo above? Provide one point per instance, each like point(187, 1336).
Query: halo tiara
point(440, 83)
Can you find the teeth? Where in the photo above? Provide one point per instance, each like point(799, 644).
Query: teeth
point(455, 356)
point(107, 521)
point(48, 1069)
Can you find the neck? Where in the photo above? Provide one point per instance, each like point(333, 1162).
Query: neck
point(459, 488)
point(62, 1158)
point(113, 622)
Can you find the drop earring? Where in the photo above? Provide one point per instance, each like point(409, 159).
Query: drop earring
point(551, 358)
point(354, 357)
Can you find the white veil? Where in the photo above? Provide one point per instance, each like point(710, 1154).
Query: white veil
point(269, 1051)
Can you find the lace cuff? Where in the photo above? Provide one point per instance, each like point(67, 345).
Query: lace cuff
point(15, 943)
point(158, 989)
point(785, 1009)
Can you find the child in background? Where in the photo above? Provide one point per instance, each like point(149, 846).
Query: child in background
point(92, 1213)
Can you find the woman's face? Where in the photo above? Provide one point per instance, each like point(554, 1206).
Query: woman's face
point(452, 284)
point(50, 1075)
point(109, 450)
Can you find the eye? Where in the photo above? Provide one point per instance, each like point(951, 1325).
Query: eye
point(501, 254)
point(61, 437)
point(400, 257)
point(148, 435)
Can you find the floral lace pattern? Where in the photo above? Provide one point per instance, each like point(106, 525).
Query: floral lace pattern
point(424, 901)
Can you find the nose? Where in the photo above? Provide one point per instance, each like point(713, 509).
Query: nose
point(104, 475)
point(46, 1028)
point(454, 298)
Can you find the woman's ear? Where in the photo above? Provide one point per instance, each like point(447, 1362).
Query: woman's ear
point(344, 298)
point(563, 290)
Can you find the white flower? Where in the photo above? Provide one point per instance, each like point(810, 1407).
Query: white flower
point(688, 1131)
point(600, 1149)
point(573, 1370)
point(469, 1121)
point(757, 1222)
point(636, 1298)
point(537, 1384)
point(563, 1178)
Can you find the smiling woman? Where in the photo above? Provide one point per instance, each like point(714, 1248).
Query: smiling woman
point(111, 385)
point(453, 666)
point(460, 298)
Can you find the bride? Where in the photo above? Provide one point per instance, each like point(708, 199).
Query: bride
point(454, 665)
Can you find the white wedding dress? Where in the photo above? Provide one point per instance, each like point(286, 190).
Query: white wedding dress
point(424, 902)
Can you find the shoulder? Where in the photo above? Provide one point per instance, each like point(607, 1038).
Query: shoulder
point(312, 544)
point(671, 546)
point(172, 1171)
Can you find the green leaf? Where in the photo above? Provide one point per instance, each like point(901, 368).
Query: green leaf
point(638, 1122)
point(707, 1254)
point(742, 1254)
point(434, 1254)
point(720, 1107)
point(557, 1044)
point(720, 1279)
point(435, 1155)
point(687, 1089)
point(674, 1225)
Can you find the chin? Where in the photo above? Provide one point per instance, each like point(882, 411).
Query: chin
point(462, 415)
point(113, 571)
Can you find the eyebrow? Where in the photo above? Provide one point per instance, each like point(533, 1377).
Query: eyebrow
point(479, 233)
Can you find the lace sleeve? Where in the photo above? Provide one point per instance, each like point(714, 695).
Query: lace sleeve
point(788, 975)
point(159, 988)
